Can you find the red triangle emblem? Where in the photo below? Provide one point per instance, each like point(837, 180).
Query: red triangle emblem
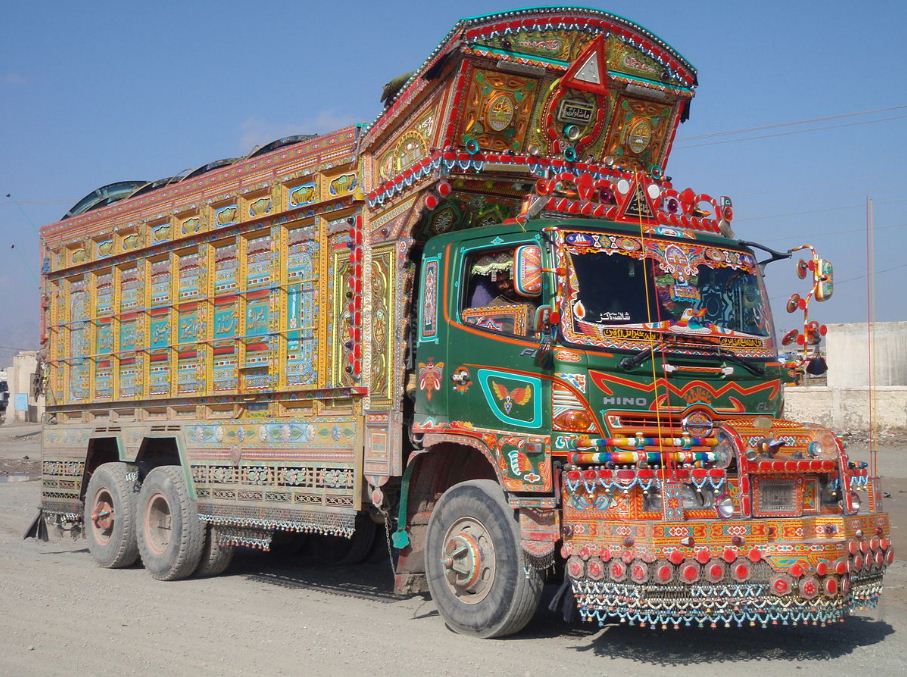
point(589, 72)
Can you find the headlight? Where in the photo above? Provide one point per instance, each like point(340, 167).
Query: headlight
point(829, 491)
point(695, 500)
point(824, 444)
point(651, 502)
point(724, 451)
point(725, 506)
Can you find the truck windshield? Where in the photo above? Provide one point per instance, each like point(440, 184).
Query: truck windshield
point(622, 289)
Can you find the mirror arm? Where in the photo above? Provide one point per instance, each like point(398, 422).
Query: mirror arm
point(775, 254)
point(541, 316)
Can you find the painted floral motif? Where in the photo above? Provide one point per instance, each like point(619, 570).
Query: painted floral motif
point(430, 300)
point(221, 475)
point(336, 478)
point(461, 379)
point(258, 475)
point(294, 476)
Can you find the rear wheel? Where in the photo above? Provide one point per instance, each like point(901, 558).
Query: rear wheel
point(170, 535)
point(474, 563)
point(109, 517)
point(341, 550)
point(216, 556)
point(288, 543)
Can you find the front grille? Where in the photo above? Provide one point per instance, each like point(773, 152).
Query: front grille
point(646, 422)
point(777, 497)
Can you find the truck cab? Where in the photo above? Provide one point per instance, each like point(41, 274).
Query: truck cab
point(623, 382)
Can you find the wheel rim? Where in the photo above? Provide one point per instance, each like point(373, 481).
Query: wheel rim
point(102, 516)
point(158, 523)
point(468, 560)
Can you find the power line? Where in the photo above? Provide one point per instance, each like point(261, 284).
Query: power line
point(791, 123)
point(854, 279)
point(19, 207)
point(798, 131)
point(864, 275)
point(817, 233)
point(55, 203)
point(765, 217)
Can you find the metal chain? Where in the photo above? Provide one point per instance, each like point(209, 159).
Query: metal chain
point(387, 538)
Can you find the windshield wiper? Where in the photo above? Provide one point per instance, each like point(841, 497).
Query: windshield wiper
point(752, 367)
point(632, 361)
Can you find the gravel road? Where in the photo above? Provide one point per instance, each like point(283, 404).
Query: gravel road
point(62, 615)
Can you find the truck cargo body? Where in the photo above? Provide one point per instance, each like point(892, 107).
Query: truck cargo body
point(216, 340)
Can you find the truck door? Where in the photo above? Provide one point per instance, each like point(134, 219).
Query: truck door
point(480, 379)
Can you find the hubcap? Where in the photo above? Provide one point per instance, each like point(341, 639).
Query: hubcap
point(102, 516)
point(468, 560)
point(158, 522)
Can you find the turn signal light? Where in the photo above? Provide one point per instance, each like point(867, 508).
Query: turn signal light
point(574, 420)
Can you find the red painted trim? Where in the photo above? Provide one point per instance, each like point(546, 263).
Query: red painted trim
point(582, 22)
point(596, 48)
point(599, 377)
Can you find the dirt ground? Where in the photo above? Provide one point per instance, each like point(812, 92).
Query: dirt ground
point(62, 615)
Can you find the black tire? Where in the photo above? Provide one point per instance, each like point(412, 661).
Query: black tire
point(501, 603)
point(289, 543)
point(170, 535)
point(110, 517)
point(338, 550)
point(216, 556)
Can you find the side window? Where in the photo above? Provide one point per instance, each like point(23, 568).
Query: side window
point(494, 300)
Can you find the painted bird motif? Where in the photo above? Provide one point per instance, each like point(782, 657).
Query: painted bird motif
point(520, 395)
point(430, 376)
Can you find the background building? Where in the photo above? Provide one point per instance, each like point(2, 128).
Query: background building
point(23, 406)
point(844, 402)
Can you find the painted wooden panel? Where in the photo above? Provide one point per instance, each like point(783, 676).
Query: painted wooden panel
point(233, 313)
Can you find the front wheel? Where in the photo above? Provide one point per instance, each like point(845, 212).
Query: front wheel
point(474, 564)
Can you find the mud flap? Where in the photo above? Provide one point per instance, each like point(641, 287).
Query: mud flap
point(37, 529)
point(564, 601)
point(539, 533)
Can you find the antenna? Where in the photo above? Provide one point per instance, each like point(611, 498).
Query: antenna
point(870, 320)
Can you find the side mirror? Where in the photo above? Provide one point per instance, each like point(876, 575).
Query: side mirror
point(546, 318)
point(823, 278)
point(527, 270)
point(789, 337)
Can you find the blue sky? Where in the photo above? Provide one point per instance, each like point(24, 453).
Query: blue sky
point(98, 92)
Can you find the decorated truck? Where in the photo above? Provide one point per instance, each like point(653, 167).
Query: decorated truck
point(488, 323)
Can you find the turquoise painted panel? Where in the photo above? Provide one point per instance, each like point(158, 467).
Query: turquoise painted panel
point(257, 312)
point(226, 321)
point(160, 332)
point(513, 399)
